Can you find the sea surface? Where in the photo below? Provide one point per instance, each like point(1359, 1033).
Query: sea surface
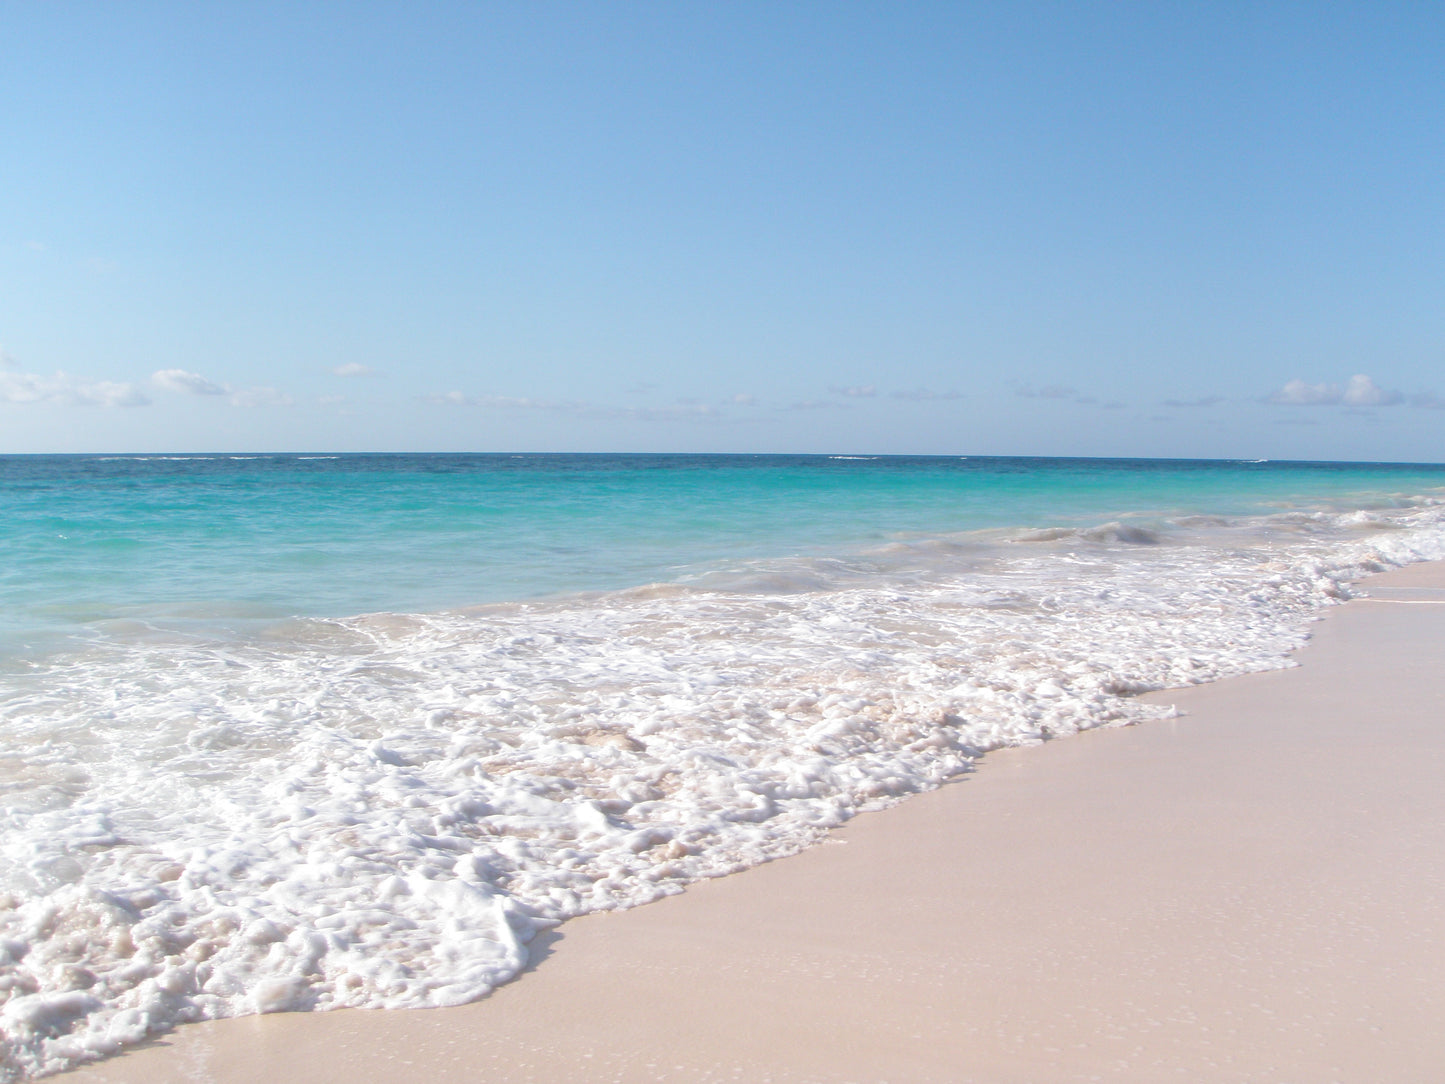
point(300, 732)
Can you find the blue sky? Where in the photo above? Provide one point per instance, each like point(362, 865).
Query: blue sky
point(1091, 229)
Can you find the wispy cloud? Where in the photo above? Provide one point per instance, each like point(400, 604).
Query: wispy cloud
point(1067, 394)
point(920, 395)
point(67, 390)
point(353, 368)
point(743, 399)
point(186, 383)
point(1202, 401)
point(682, 411)
point(1358, 391)
point(500, 402)
point(1048, 391)
point(7, 359)
point(814, 404)
point(856, 391)
point(110, 393)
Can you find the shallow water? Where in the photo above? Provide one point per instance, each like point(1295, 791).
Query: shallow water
point(287, 732)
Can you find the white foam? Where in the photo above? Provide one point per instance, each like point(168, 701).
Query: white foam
point(383, 811)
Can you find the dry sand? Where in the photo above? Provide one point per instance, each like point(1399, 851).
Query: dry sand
point(1252, 892)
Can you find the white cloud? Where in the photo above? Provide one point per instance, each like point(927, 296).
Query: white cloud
point(26, 388)
point(1359, 391)
point(1298, 393)
point(743, 399)
point(110, 393)
point(353, 368)
point(865, 391)
point(179, 380)
point(7, 359)
point(23, 388)
point(67, 390)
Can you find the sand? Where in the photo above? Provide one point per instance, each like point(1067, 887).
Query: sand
point(1252, 892)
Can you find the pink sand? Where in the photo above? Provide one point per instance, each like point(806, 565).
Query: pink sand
point(1252, 892)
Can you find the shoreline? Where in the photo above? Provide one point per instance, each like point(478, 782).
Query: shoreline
point(1251, 891)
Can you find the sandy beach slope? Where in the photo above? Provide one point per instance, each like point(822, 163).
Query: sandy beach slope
point(1252, 892)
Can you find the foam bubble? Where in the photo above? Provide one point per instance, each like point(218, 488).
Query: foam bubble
point(382, 811)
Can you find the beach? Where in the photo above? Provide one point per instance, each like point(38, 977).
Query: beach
point(696, 542)
point(1250, 891)
point(724, 542)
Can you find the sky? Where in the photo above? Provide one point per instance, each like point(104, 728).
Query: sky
point(1096, 229)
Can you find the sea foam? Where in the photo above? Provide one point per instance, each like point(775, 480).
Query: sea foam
point(383, 811)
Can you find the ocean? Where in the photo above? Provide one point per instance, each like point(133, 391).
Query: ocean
point(302, 732)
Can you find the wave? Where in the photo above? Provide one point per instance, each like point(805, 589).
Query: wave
point(1107, 532)
point(382, 811)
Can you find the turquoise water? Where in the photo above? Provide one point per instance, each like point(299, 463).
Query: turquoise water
point(288, 732)
point(87, 539)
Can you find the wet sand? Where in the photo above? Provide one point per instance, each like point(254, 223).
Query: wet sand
point(1254, 891)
